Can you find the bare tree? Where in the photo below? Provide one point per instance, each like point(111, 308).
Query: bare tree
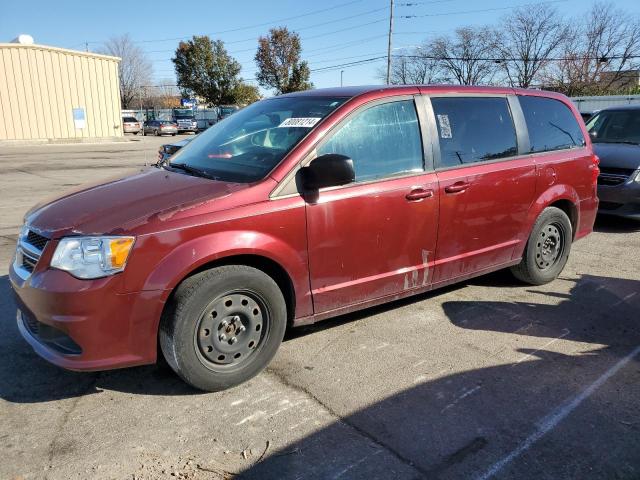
point(468, 57)
point(528, 37)
point(135, 69)
point(165, 94)
point(598, 54)
point(413, 67)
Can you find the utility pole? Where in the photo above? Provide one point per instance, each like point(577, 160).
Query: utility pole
point(389, 44)
point(86, 46)
point(341, 73)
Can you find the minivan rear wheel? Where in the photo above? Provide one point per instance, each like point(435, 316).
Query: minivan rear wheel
point(547, 249)
point(223, 326)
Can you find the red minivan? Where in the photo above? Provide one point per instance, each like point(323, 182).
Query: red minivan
point(299, 208)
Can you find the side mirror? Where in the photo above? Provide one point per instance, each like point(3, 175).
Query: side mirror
point(330, 170)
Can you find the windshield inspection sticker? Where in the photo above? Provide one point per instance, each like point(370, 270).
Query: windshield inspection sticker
point(445, 127)
point(307, 122)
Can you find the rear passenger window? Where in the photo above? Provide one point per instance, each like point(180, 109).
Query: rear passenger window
point(382, 141)
point(474, 129)
point(551, 124)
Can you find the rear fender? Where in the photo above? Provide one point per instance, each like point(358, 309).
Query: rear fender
point(551, 195)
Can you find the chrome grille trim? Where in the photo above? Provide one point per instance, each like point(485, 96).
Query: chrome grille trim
point(28, 253)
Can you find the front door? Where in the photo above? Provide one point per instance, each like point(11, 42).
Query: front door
point(376, 237)
point(486, 190)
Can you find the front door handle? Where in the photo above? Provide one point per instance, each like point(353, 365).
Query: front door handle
point(419, 194)
point(457, 187)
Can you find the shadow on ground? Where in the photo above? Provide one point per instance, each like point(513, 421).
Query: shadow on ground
point(456, 426)
point(465, 425)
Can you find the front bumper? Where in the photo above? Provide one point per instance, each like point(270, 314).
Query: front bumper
point(86, 324)
point(620, 200)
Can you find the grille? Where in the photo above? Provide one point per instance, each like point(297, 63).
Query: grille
point(36, 240)
point(28, 262)
point(611, 176)
point(31, 323)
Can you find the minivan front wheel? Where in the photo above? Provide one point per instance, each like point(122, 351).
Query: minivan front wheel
point(223, 326)
point(547, 249)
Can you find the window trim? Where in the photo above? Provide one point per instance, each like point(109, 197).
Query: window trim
point(288, 186)
point(517, 118)
point(574, 147)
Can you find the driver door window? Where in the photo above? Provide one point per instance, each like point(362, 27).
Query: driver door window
point(382, 141)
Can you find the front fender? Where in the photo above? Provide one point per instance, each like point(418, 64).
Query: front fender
point(197, 252)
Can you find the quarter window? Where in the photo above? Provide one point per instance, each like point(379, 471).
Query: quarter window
point(551, 124)
point(474, 129)
point(382, 141)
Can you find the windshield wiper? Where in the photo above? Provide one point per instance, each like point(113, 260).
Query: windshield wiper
point(192, 170)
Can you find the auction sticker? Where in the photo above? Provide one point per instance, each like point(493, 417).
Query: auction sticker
point(445, 126)
point(306, 122)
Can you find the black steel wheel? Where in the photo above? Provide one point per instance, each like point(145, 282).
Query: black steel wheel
point(223, 326)
point(231, 329)
point(550, 244)
point(547, 249)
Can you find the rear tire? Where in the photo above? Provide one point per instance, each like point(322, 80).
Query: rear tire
point(223, 326)
point(547, 249)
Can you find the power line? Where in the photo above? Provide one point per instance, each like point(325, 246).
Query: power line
point(296, 30)
point(249, 27)
point(302, 39)
point(480, 10)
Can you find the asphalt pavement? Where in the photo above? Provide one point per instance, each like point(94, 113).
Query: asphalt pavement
point(485, 379)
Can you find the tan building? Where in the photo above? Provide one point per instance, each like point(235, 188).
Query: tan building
point(49, 93)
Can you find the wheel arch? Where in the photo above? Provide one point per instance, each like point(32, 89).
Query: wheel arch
point(260, 262)
point(560, 196)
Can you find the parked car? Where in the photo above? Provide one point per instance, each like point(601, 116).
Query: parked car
point(131, 125)
point(296, 209)
point(185, 119)
point(615, 133)
point(160, 127)
point(167, 150)
point(586, 116)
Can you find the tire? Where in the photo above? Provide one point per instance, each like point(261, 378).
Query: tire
point(156, 133)
point(223, 326)
point(547, 249)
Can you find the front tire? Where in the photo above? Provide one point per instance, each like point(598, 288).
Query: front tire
point(223, 326)
point(547, 249)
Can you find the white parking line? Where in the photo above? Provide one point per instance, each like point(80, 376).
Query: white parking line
point(565, 331)
point(551, 421)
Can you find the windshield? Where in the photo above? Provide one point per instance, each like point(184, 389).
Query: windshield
point(247, 145)
point(615, 126)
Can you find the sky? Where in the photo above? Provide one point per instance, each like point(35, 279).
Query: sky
point(333, 32)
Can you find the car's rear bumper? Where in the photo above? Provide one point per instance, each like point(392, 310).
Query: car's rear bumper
point(620, 200)
point(85, 324)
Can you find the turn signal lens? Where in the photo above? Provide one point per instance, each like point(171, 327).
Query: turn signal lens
point(119, 250)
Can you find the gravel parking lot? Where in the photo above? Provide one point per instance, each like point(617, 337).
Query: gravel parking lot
point(487, 379)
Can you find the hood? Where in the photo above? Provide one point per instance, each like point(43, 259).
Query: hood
point(618, 155)
point(123, 204)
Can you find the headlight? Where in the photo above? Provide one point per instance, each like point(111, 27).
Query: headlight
point(638, 177)
point(92, 257)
